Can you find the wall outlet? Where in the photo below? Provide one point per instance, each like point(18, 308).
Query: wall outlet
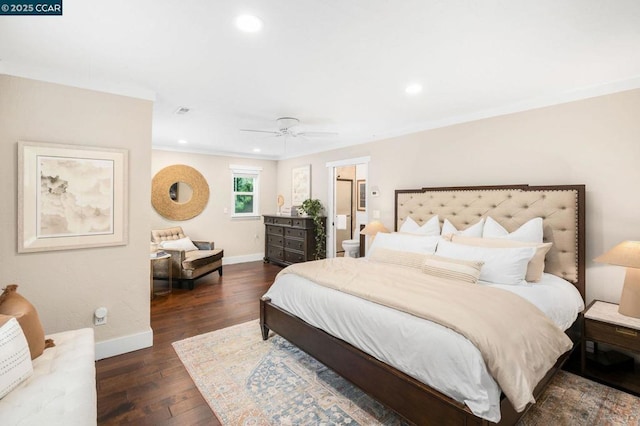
point(100, 316)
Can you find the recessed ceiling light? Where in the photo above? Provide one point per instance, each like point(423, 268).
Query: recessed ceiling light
point(182, 141)
point(256, 149)
point(413, 89)
point(248, 23)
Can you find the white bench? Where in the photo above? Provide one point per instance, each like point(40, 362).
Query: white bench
point(62, 389)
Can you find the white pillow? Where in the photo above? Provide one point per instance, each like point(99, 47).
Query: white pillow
point(404, 242)
point(501, 265)
point(474, 230)
point(182, 244)
point(15, 358)
point(529, 232)
point(431, 227)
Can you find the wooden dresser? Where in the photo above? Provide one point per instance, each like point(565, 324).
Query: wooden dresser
point(288, 239)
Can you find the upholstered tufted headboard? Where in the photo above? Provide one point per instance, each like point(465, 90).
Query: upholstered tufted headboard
point(561, 208)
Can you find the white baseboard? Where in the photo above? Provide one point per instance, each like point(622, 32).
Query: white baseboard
point(122, 345)
point(242, 259)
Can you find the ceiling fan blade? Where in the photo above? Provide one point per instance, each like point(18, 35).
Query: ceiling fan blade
point(316, 134)
point(260, 131)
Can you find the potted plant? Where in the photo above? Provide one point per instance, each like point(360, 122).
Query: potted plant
point(313, 208)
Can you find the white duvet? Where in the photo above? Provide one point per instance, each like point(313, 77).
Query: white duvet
point(429, 352)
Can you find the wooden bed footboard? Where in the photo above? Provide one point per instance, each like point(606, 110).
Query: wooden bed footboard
point(412, 399)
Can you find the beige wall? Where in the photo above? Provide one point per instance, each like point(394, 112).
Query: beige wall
point(67, 286)
point(595, 142)
point(241, 239)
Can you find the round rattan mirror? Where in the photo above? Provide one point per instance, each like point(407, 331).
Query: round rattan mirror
point(164, 184)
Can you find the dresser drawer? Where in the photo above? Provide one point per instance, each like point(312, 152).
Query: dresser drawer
point(268, 220)
point(302, 223)
point(275, 230)
point(275, 240)
point(295, 233)
point(624, 337)
point(294, 244)
point(275, 253)
point(293, 256)
point(286, 221)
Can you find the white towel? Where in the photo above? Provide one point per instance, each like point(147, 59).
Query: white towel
point(341, 221)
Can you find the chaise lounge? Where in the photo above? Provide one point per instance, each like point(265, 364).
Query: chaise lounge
point(189, 259)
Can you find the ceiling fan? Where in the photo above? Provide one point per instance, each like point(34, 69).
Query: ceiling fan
point(286, 127)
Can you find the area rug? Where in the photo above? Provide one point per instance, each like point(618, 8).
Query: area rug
point(248, 381)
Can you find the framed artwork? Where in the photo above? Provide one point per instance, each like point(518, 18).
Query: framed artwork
point(300, 184)
point(71, 197)
point(362, 195)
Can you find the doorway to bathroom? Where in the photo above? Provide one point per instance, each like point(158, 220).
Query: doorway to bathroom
point(347, 205)
point(345, 211)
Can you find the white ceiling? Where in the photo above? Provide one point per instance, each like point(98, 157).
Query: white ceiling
point(338, 66)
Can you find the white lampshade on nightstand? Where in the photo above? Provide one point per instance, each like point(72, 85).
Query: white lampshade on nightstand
point(373, 228)
point(627, 254)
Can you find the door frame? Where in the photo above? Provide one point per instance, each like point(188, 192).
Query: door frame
point(331, 185)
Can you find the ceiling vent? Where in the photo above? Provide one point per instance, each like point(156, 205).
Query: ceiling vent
point(182, 110)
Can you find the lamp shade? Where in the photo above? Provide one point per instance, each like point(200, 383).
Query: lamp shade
point(373, 228)
point(626, 254)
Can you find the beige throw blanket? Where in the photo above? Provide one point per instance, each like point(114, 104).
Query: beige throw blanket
point(518, 343)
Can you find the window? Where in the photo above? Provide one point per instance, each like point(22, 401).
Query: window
point(246, 193)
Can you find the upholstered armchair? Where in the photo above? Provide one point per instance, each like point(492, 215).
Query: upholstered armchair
point(189, 259)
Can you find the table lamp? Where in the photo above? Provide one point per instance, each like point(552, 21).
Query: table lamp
point(373, 228)
point(627, 254)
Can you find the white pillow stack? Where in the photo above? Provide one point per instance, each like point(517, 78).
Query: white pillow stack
point(510, 257)
point(505, 257)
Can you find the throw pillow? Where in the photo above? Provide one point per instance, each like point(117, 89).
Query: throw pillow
point(13, 304)
point(15, 360)
point(535, 268)
point(404, 242)
point(453, 269)
point(501, 265)
point(181, 244)
point(474, 230)
point(395, 257)
point(430, 227)
point(529, 232)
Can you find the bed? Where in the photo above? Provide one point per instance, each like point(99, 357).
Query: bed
point(561, 209)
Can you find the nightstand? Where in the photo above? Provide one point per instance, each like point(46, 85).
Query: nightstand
point(603, 324)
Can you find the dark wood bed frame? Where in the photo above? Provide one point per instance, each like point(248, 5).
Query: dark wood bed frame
point(409, 397)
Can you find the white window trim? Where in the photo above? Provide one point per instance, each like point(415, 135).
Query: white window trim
point(246, 171)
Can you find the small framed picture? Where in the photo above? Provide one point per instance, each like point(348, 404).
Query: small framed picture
point(362, 195)
point(300, 184)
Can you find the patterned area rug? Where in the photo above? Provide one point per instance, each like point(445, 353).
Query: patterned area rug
point(247, 381)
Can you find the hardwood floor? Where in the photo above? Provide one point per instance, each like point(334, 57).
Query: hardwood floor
point(151, 386)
